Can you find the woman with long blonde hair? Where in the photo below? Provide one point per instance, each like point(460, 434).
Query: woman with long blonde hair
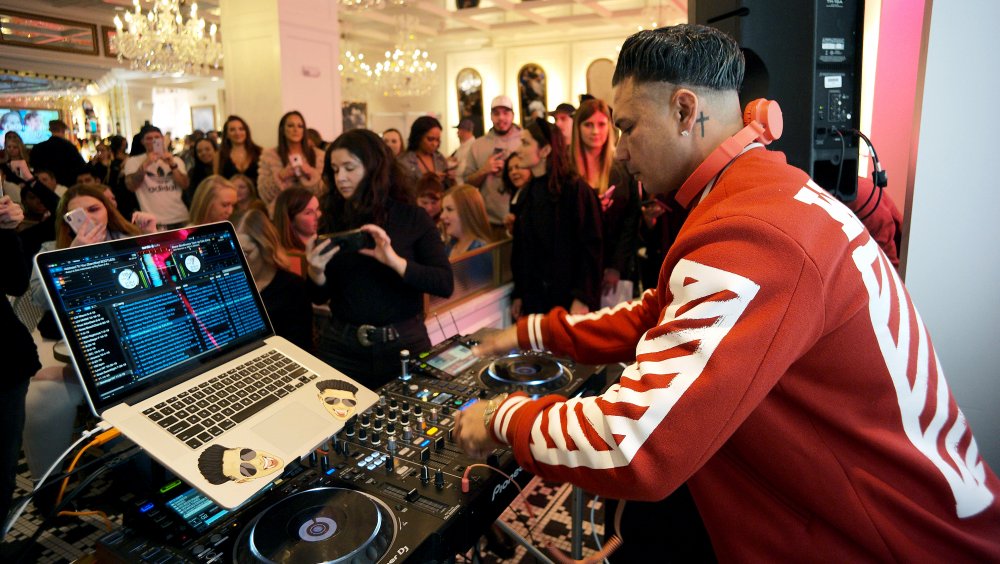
point(214, 200)
point(593, 152)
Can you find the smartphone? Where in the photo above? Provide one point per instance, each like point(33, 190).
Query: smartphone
point(158, 146)
point(497, 151)
point(350, 241)
point(295, 160)
point(77, 219)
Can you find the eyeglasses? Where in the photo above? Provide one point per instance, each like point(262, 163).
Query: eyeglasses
point(346, 401)
point(246, 469)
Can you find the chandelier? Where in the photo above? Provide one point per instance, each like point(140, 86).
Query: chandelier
point(161, 40)
point(405, 70)
point(360, 5)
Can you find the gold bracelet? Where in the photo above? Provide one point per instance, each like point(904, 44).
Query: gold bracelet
point(491, 407)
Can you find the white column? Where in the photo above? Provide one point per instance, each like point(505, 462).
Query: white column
point(282, 55)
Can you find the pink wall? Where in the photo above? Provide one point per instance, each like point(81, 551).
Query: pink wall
point(900, 29)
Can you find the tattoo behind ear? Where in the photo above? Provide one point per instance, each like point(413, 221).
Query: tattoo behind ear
point(702, 118)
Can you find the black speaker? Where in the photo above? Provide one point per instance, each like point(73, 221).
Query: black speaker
point(806, 55)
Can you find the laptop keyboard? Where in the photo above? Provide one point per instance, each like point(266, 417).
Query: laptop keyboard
point(208, 410)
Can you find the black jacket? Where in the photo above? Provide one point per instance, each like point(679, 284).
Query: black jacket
point(17, 347)
point(60, 157)
point(556, 255)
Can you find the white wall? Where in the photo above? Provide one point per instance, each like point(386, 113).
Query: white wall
point(951, 266)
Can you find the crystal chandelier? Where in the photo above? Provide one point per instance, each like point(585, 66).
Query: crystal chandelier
point(406, 69)
point(360, 5)
point(355, 75)
point(161, 40)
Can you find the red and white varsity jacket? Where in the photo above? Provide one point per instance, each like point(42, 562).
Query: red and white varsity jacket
point(780, 369)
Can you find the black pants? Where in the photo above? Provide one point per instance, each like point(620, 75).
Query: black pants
point(372, 366)
point(12, 425)
point(670, 528)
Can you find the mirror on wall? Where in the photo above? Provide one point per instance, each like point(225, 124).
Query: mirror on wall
point(44, 32)
point(469, 86)
point(599, 75)
point(532, 92)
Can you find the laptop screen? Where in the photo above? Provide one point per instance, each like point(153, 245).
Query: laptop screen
point(140, 311)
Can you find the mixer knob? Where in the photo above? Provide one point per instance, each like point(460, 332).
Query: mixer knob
point(349, 427)
point(392, 415)
point(376, 438)
point(347, 449)
point(390, 444)
point(393, 404)
point(364, 420)
point(420, 423)
point(390, 464)
point(377, 425)
point(439, 478)
point(407, 433)
point(406, 406)
point(362, 434)
point(434, 415)
point(405, 417)
point(379, 412)
point(312, 459)
point(390, 429)
point(324, 462)
point(425, 474)
point(417, 409)
point(382, 400)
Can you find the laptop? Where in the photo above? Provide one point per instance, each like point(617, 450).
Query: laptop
point(174, 348)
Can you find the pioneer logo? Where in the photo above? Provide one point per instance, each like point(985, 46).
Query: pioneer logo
point(499, 488)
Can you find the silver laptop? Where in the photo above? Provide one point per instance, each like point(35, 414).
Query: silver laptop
point(174, 348)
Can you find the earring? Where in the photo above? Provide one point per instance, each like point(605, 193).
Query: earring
point(685, 133)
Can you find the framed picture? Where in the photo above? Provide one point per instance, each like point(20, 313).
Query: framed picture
point(43, 32)
point(107, 33)
point(355, 115)
point(203, 118)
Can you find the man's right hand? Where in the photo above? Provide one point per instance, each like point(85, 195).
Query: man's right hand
point(11, 214)
point(499, 342)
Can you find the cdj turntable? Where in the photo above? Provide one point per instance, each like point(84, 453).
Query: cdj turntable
point(534, 373)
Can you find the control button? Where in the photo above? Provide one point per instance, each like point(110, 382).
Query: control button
point(412, 388)
point(406, 406)
point(362, 434)
point(425, 454)
point(324, 463)
point(417, 409)
point(377, 425)
point(390, 429)
point(407, 433)
point(439, 443)
point(425, 474)
point(376, 439)
point(390, 464)
point(432, 431)
point(347, 449)
point(364, 420)
point(413, 495)
point(393, 404)
point(439, 478)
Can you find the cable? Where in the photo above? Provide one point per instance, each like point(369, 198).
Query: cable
point(613, 544)
point(102, 426)
point(840, 167)
point(104, 437)
point(520, 490)
point(593, 527)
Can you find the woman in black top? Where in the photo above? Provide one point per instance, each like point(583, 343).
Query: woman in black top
point(375, 295)
point(204, 165)
point(556, 258)
point(238, 154)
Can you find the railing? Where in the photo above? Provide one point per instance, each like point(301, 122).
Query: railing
point(476, 272)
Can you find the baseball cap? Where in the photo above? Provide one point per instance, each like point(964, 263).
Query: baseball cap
point(466, 124)
point(502, 101)
point(563, 108)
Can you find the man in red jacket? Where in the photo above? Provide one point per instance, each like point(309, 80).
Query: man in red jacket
point(779, 367)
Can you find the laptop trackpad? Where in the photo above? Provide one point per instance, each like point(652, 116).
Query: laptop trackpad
point(293, 427)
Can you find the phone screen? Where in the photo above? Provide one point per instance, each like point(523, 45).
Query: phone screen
point(76, 219)
point(158, 146)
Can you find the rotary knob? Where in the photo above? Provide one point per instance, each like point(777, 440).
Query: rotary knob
point(425, 474)
point(439, 478)
point(434, 415)
point(376, 438)
point(365, 421)
point(362, 434)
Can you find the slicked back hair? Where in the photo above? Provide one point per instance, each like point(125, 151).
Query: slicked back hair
point(687, 54)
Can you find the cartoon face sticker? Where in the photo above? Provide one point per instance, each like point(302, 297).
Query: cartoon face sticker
point(338, 398)
point(219, 464)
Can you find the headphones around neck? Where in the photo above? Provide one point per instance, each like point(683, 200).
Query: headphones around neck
point(763, 124)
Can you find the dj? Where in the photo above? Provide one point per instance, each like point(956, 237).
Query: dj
point(780, 368)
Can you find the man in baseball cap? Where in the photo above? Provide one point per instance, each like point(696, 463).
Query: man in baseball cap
point(564, 120)
point(484, 166)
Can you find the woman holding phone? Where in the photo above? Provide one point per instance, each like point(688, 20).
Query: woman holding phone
point(375, 294)
point(593, 152)
point(422, 156)
point(15, 167)
point(295, 162)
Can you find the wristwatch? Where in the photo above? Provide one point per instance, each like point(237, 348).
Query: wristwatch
point(491, 407)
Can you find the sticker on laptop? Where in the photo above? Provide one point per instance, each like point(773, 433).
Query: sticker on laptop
point(219, 464)
point(338, 397)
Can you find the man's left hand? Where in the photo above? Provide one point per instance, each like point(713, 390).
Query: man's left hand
point(470, 434)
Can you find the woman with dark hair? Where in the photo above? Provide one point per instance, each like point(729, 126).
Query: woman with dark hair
point(593, 152)
point(556, 257)
point(203, 167)
point(127, 202)
point(375, 294)
point(295, 162)
point(238, 154)
point(296, 217)
point(422, 156)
